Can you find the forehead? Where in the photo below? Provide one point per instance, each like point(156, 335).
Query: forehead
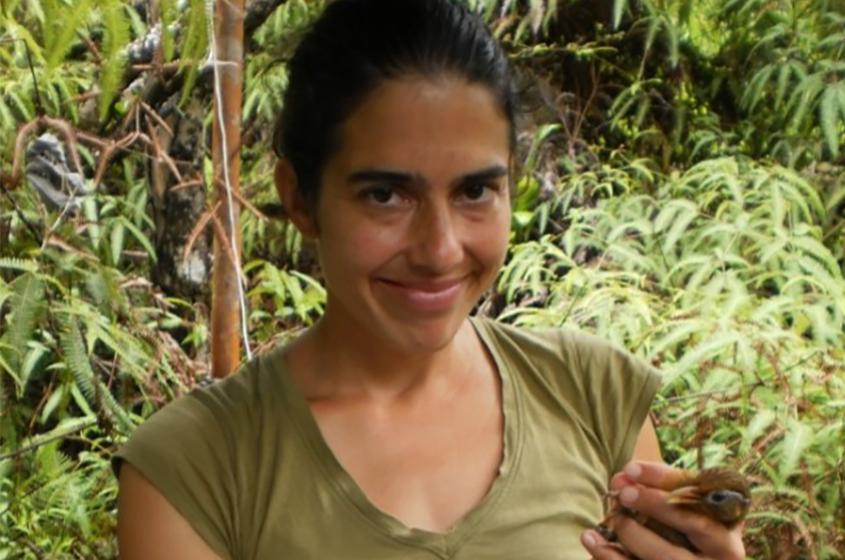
point(425, 125)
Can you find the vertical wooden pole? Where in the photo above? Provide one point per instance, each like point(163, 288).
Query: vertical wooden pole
point(225, 301)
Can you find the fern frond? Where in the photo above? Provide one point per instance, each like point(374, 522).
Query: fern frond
point(194, 45)
point(114, 56)
point(61, 25)
point(13, 263)
point(77, 361)
point(27, 306)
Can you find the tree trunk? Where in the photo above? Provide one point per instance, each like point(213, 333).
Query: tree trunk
point(226, 299)
point(178, 206)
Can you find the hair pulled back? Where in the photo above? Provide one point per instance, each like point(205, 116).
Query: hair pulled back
point(354, 46)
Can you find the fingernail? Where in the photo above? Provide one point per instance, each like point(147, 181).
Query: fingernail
point(629, 495)
point(633, 470)
point(588, 539)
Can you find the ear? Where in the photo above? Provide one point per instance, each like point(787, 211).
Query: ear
point(292, 199)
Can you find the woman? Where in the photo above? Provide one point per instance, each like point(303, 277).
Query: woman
point(398, 426)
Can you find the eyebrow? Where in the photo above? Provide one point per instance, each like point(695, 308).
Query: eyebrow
point(401, 177)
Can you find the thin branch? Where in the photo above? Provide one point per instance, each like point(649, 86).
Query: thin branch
point(39, 107)
point(45, 441)
point(197, 230)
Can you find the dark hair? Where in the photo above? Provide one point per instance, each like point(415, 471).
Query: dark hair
point(357, 44)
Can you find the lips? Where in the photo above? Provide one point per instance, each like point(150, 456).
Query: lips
point(425, 296)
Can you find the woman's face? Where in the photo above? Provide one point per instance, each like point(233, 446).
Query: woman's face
point(414, 211)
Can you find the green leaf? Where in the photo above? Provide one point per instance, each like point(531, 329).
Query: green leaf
point(829, 119)
point(139, 236)
point(117, 237)
point(62, 24)
point(114, 57)
point(619, 7)
point(798, 437)
point(757, 426)
point(27, 307)
point(167, 9)
point(194, 45)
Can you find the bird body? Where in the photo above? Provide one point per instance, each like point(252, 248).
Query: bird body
point(719, 493)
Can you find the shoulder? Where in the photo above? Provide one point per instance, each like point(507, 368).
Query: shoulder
point(559, 352)
point(193, 450)
point(217, 414)
point(227, 404)
point(583, 378)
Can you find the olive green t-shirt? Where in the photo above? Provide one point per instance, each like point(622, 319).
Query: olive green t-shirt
point(244, 461)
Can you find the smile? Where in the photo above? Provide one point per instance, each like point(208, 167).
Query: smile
point(425, 296)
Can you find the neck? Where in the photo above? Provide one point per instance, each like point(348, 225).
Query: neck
point(361, 366)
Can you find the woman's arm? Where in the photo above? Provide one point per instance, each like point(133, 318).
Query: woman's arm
point(149, 527)
point(647, 447)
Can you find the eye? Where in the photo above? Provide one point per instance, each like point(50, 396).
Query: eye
point(478, 192)
point(718, 497)
point(383, 196)
point(725, 498)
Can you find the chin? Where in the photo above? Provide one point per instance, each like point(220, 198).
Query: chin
point(423, 336)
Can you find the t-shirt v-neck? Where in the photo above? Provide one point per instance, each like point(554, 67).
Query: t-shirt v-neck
point(347, 489)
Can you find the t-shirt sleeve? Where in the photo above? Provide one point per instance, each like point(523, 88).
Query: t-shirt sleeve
point(618, 389)
point(184, 450)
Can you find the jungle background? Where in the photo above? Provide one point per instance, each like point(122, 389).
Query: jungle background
point(680, 192)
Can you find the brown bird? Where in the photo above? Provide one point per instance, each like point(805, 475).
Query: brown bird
point(721, 494)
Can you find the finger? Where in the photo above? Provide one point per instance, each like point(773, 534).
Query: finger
point(656, 475)
point(620, 480)
point(600, 549)
point(709, 536)
point(644, 543)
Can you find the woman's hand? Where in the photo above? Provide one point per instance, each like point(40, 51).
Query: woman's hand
point(643, 487)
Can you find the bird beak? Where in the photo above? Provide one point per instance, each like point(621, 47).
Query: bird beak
point(684, 496)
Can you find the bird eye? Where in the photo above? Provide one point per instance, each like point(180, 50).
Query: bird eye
point(718, 496)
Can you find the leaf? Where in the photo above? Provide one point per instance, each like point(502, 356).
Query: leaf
point(536, 11)
point(62, 24)
point(117, 236)
point(755, 90)
point(194, 45)
point(139, 236)
point(798, 437)
point(167, 9)
point(784, 73)
point(77, 361)
point(619, 7)
point(829, 119)
point(757, 426)
point(27, 306)
point(114, 57)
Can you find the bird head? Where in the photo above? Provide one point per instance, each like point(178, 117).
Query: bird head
point(721, 494)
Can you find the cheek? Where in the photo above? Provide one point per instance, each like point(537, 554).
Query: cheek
point(493, 236)
point(351, 251)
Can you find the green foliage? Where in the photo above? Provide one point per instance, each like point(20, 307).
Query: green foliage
point(722, 279)
point(116, 23)
point(794, 55)
point(194, 45)
point(168, 17)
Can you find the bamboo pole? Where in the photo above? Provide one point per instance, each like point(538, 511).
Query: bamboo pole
point(226, 299)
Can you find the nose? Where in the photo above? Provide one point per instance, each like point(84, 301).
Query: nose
point(436, 246)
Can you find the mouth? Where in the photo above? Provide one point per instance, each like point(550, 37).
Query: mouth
point(431, 296)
